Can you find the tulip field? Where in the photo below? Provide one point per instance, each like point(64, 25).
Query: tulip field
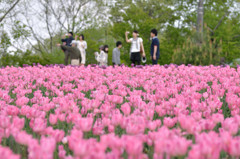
point(155, 112)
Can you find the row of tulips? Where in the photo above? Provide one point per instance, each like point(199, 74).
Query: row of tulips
point(143, 112)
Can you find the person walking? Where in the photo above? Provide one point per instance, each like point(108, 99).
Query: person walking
point(73, 52)
point(116, 54)
point(136, 47)
point(82, 46)
point(102, 57)
point(155, 47)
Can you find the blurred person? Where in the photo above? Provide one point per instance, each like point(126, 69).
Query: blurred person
point(136, 47)
point(67, 42)
point(155, 47)
point(102, 57)
point(73, 52)
point(116, 54)
point(82, 46)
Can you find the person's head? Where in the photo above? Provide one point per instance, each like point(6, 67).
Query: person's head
point(74, 43)
point(154, 33)
point(70, 34)
point(119, 44)
point(101, 48)
point(81, 37)
point(105, 48)
point(135, 33)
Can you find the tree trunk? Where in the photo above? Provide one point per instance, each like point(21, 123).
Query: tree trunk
point(200, 16)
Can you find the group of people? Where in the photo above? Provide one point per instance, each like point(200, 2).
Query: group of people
point(75, 49)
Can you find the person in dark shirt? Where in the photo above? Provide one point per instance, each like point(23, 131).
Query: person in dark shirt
point(68, 41)
point(155, 50)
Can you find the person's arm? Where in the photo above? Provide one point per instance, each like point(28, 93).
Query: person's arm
point(64, 47)
point(118, 59)
point(114, 57)
point(141, 42)
point(155, 50)
point(97, 56)
point(155, 53)
point(63, 38)
point(126, 36)
point(76, 37)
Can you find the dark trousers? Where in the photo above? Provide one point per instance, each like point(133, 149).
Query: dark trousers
point(67, 56)
point(136, 58)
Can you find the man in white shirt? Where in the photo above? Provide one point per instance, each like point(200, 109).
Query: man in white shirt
point(136, 47)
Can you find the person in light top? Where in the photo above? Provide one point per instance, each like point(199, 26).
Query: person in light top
point(116, 54)
point(136, 47)
point(82, 46)
point(102, 57)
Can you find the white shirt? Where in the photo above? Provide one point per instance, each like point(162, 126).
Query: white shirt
point(82, 45)
point(102, 58)
point(136, 44)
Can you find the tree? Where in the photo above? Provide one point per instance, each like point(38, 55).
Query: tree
point(150, 14)
point(8, 10)
point(51, 18)
point(200, 16)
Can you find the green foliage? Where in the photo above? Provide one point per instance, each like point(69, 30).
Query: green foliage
point(174, 19)
point(95, 38)
point(198, 52)
point(56, 57)
point(147, 18)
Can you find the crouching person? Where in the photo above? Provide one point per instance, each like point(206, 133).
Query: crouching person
point(102, 57)
point(73, 51)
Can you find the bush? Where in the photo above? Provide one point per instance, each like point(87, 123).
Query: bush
point(198, 52)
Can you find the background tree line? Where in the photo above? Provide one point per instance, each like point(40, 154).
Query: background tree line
point(191, 32)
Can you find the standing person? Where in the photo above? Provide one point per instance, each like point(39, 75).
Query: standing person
point(102, 58)
point(82, 46)
point(67, 42)
point(116, 54)
point(73, 52)
point(136, 47)
point(155, 50)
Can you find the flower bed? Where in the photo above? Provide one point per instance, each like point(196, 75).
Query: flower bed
point(144, 112)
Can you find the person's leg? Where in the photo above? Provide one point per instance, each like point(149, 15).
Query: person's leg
point(83, 55)
point(138, 58)
point(133, 58)
point(66, 58)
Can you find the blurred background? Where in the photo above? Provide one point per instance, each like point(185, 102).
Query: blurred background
point(199, 32)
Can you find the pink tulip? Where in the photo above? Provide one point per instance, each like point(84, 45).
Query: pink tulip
point(53, 119)
point(6, 153)
point(22, 101)
point(126, 109)
point(84, 124)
